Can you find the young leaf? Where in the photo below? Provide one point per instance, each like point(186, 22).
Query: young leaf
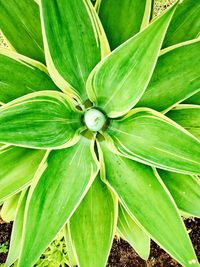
point(185, 24)
point(60, 185)
point(185, 190)
point(9, 208)
point(173, 79)
point(74, 42)
point(92, 238)
point(69, 247)
point(118, 82)
point(21, 75)
point(151, 138)
point(188, 116)
point(130, 231)
point(123, 19)
point(18, 166)
point(39, 120)
point(136, 184)
point(16, 237)
point(20, 23)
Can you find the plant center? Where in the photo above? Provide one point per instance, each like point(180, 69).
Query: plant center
point(94, 119)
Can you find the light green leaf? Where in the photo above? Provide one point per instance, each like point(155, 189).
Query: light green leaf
point(16, 236)
point(9, 208)
point(173, 79)
point(117, 83)
point(18, 166)
point(74, 42)
point(151, 138)
point(21, 75)
point(20, 23)
point(69, 247)
point(131, 232)
point(63, 180)
point(93, 237)
point(123, 19)
point(188, 116)
point(185, 24)
point(194, 99)
point(185, 190)
point(43, 119)
point(156, 213)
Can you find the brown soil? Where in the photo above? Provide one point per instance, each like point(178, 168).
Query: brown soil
point(122, 255)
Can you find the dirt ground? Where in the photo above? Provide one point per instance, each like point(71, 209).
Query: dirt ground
point(122, 254)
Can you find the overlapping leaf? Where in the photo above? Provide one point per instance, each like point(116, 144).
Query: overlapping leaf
point(20, 23)
point(39, 120)
point(185, 190)
point(20, 76)
point(185, 24)
point(118, 82)
point(64, 178)
point(174, 79)
point(18, 166)
point(123, 19)
point(188, 116)
point(16, 236)
point(92, 238)
point(136, 184)
point(130, 231)
point(149, 137)
point(74, 42)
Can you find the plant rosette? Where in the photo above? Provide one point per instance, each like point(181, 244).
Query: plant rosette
point(94, 138)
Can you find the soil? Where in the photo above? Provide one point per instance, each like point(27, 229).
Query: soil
point(122, 254)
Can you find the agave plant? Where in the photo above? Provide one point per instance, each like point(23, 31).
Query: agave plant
point(94, 140)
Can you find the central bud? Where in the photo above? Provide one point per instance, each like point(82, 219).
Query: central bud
point(94, 119)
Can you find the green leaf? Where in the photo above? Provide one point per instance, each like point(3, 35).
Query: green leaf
point(185, 24)
point(60, 185)
point(21, 75)
point(148, 202)
point(131, 232)
point(123, 19)
point(188, 116)
point(173, 79)
point(93, 237)
point(9, 208)
point(185, 190)
point(194, 99)
point(69, 246)
point(43, 119)
point(18, 166)
point(117, 83)
point(151, 138)
point(16, 236)
point(74, 43)
point(20, 23)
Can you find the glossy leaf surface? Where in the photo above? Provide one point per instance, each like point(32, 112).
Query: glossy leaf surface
point(20, 23)
point(74, 42)
point(92, 238)
point(20, 76)
point(153, 139)
point(185, 190)
point(18, 166)
point(188, 116)
point(173, 79)
point(136, 184)
point(118, 82)
point(131, 232)
point(123, 19)
point(39, 120)
point(63, 180)
point(16, 236)
point(185, 24)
